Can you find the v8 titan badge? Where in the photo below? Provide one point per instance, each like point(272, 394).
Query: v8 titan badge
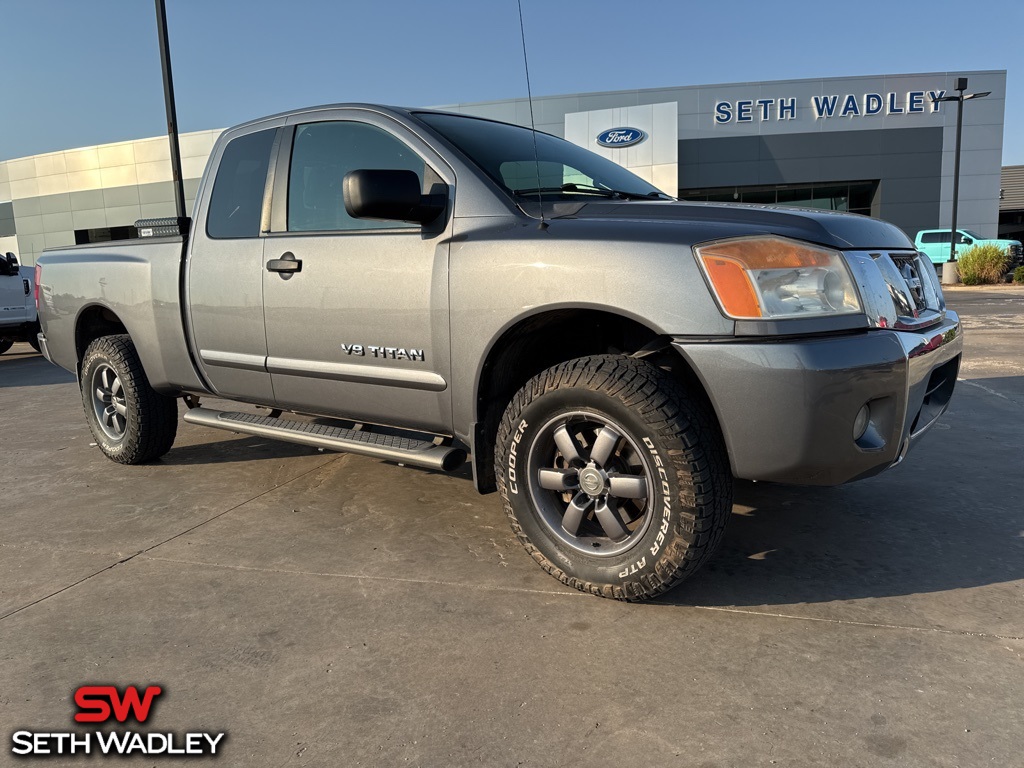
point(391, 353)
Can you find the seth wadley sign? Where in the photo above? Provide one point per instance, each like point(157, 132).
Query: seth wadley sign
point(824, 107)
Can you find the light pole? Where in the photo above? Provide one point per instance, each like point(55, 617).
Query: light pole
point(172, 117)
point(960, 86)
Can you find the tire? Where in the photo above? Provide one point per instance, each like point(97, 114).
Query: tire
point(639, 508)
point(33, 338)
point(131, 422)
point(5, 344)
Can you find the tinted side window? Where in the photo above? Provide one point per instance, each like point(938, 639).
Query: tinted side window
point(322, 154)
point(930, 237)
point(237, 200)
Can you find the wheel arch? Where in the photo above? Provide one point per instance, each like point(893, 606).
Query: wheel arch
point(93, 322)
point(546, 337)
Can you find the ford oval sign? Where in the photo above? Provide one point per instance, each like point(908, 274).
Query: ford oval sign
point(620, 137)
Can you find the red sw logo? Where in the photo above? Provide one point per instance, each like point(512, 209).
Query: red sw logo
point(98, 702)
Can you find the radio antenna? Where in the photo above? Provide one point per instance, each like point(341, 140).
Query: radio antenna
point(533, 124)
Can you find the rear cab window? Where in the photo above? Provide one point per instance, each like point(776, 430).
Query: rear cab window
point(236, 204)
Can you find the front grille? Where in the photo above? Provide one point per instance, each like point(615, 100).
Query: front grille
point(902, 272)
point(910, 271)
point(898, 289)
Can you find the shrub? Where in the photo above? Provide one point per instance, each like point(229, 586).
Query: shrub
point(983, 264)
point(1018, 275)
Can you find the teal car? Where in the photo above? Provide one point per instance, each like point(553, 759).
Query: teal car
point(934, 243)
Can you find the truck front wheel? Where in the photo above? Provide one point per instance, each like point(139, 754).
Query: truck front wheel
point(614, 478)
point(131, 422)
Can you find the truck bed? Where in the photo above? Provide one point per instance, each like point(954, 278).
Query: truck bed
point(142, 279)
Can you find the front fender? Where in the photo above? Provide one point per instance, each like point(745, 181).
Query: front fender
point(504, 270)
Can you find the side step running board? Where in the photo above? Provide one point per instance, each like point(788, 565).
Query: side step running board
point(420, 453)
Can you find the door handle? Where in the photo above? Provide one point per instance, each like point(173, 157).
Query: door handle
point(287, 265)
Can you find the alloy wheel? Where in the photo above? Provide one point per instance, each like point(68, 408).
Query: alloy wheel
point(590, 483)
point(108, 402)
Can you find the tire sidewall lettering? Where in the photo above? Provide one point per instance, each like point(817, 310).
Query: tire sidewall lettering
point(664, 499)
point(513, 457)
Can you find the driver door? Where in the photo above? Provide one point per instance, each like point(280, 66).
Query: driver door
point(360, 329)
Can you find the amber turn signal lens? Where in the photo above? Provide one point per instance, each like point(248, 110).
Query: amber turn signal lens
point(732, 283)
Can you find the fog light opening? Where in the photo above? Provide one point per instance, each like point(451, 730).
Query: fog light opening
point(860, 423)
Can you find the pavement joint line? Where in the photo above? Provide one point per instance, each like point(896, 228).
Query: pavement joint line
point(983, 387)
point(824, 619)
point(366, 577)
point(167, 540)
point(441, 583)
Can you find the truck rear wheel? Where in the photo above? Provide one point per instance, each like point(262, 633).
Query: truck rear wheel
point(33, 336)
point(614, 479)
point(5, 344)
point(131, 422)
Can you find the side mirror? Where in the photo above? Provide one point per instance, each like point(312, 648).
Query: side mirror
point(12, 260)
point(389, 195)
point(965, 240)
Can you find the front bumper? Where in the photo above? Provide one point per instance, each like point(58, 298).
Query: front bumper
point(787, 408)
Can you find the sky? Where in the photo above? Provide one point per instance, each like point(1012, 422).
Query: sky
point(84, 72)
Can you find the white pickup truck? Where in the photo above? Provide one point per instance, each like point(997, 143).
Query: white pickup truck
point(18, 320)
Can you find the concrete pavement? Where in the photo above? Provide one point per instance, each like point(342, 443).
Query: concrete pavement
point(329, 609)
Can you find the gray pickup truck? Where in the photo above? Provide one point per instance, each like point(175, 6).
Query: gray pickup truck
point(418, 286)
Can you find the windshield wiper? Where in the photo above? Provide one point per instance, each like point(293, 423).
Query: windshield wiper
point(590, 189)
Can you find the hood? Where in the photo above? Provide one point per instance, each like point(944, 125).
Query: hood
point(711, 221)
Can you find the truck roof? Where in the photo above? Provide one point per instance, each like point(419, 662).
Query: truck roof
point(379, 108)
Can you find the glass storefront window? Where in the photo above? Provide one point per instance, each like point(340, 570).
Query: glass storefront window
point(854, 196)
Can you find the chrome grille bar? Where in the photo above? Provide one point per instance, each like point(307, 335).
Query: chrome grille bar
point(899, 288)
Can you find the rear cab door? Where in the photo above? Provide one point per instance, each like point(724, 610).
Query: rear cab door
point(224, 275)
point(361, 328)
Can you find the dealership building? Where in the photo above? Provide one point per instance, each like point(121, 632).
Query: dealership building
point(875, 145)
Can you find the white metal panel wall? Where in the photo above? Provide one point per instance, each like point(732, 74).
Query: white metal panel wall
point(655, 159)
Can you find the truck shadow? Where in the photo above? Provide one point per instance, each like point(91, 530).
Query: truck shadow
point(234, 449)
point(22, 366)
point(930, 525)
point(949, 518)
point(810, 545)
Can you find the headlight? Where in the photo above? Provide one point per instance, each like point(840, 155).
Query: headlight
point(772, 277)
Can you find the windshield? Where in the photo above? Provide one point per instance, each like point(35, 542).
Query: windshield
point(506, 154)
point(971, 233)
